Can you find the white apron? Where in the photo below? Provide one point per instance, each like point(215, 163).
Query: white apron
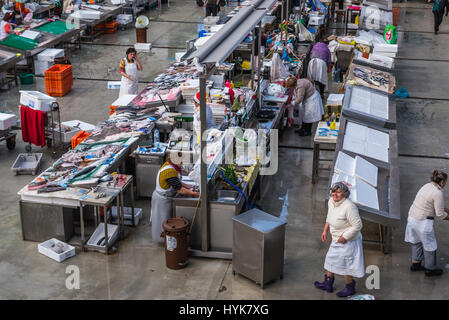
point(127, 86)
point(317, 70)
point(421, 231)
point(312, 109)
point(346, 259)
point(161, 207)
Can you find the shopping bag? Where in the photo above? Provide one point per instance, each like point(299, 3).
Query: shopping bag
point(391, 34)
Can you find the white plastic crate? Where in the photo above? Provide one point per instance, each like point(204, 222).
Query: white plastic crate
point(45, 249)
point(7, 120)
point(36, 100)
point(128, 215)
point(99, 234)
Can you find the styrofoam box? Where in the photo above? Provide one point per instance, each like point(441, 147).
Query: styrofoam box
point(7, 120)
point(128, 215)
point(385, 47)
point(36, 100)
point(335, 99)
point(124, 18)
point(385, 54)
point(123, 100)
point(114, 84)
point(79, 124)
point(50, 55)
point(33, 35)
point(44, 248)
point(99, 233)
point(179, 55)
point(41, 66)
point(143, 47)
point(86, 14)
point(316, 20)
point(201, 41)
point(66, 135)
point(116, 2)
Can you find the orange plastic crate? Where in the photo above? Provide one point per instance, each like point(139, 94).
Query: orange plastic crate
point(58, 72)
point(111, 31)
point(100, 26)
point(59, 88)
point(111, 25)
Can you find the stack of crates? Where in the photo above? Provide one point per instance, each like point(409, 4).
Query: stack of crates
point(111, 27)
point(99, 27)
point(58, 80)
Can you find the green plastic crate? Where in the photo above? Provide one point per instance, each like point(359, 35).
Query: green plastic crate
point(26, 78)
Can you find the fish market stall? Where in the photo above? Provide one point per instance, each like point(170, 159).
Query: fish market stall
point(93, 14)
point(39, 36)
point(8, 62)
point(84, 178)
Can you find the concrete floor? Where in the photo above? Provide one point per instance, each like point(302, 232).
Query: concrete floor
point(137, 270)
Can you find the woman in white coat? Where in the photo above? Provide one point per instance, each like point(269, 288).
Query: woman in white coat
point(345, 255)
point(428, 204)
point(128, 69)
point(309, 101)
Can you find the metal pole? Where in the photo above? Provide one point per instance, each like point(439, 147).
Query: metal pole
point(203, 167)
point(253, 54)
point(282, 10)
point(260, 55)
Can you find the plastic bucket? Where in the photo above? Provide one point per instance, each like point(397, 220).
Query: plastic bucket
point(176, 242)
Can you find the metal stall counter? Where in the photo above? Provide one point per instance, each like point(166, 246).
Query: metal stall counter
point(372, 174)
point(8, 63)
point(91, 15)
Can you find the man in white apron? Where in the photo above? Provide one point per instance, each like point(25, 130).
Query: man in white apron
point(168, 184)
point(128, 69)
point(428, 204)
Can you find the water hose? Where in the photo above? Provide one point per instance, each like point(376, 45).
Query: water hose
point(237, 188)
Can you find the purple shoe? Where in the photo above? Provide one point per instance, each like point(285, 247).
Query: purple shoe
point(326, 285)
point(349, 290)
